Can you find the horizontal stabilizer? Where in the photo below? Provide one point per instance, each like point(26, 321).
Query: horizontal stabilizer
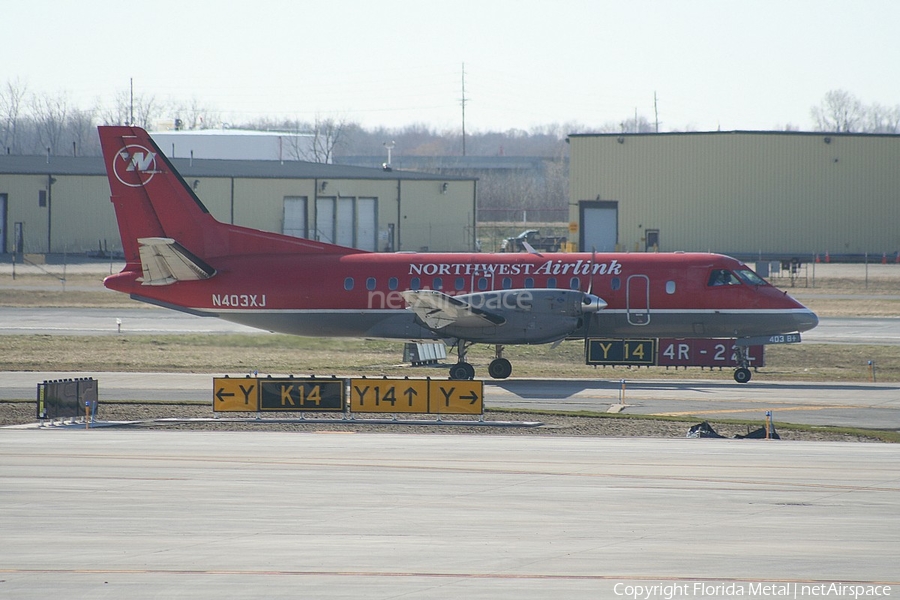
point(165, 261)
point(438, 310)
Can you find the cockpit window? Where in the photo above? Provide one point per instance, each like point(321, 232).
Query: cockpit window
point(751, 277)
point(723, 277)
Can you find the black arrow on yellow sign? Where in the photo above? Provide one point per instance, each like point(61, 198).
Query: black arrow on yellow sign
point(472, 398)
point(221, 394)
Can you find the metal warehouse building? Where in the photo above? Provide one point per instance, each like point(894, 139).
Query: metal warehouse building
point(743, 193)
point(61, 204)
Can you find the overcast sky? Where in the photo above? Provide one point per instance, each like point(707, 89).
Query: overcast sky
point(713, 64)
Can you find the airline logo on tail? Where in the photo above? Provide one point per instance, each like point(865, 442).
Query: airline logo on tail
point(134, 165)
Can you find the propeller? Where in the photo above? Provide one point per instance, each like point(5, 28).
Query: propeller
point(591, 303)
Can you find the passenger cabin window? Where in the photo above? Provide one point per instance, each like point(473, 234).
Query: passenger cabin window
point(437, 284)
point(551, 282)
point(615, 283)
point(575, 283)
point(370, 283)
point(670, 287)
point(348, 284)
point(507, 283)
point(723, 277)
point(529, 282)
point(460, 283)
point(415, 284)
point(393, 283)
point(482, 283)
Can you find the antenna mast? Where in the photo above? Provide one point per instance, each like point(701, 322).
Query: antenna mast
point(463, 102)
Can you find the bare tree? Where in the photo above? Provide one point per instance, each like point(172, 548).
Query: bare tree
point(118, 113)
point(146, 110)
point(80, 128)
point(839, 111)
point(196, 115)
point(882, 119)
point(11, 97)
point(636, 124)
point(50, 115)
point(556, 177)
point(328, 134)
point(142, 110)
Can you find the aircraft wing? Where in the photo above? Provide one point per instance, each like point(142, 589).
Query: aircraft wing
point(165, 261)
point(438, 310)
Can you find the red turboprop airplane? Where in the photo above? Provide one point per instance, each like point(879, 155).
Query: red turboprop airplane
point(178, 256)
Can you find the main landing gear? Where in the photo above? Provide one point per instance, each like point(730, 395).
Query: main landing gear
point(742, 373)
point(500, 368)
point(462, 369)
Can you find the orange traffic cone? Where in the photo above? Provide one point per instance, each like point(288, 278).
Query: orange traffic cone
point(884, 258)
point(827, 257)
point(817, 257)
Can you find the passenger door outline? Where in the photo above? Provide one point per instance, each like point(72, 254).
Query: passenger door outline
point(637, 300)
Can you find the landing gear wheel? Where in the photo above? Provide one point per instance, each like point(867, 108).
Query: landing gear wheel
point(500, 368)
point(742, 375)
point(462, 370)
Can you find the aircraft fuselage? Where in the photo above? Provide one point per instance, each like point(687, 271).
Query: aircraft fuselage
point(359, 295)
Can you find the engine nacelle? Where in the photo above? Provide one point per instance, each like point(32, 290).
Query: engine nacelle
point(530, 316)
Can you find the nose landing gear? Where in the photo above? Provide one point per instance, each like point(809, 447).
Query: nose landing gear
point(742, 356)
point(742, 374)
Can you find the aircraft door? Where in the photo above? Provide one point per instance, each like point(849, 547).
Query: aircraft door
point(637, 299)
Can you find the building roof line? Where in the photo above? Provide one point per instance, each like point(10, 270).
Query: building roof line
point(205, 167)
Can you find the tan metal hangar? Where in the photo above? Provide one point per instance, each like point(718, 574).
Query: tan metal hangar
point(743, 193)
point(61, 204)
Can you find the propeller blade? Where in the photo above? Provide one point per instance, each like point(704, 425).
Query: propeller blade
point(591, 269)
point(590, 315)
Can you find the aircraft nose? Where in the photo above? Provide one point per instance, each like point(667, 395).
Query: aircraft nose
point(806, 320)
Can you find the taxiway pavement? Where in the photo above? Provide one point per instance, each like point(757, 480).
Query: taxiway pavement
point(154, 320)
point(153, 514)
point(867, 405)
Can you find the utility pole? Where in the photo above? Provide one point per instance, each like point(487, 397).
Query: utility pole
point(656, 112)
point(463, 102)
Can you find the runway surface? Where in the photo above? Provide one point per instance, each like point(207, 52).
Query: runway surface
point(152, 514)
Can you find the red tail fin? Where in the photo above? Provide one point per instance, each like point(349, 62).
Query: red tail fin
point(153, 201)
